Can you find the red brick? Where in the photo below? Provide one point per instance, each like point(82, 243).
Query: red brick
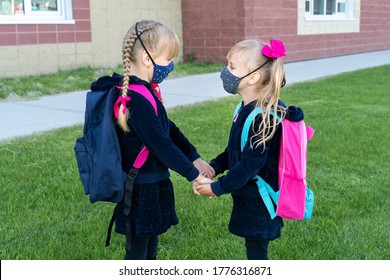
point(81, 14)
point(65, 27)
point(198, 42)
point(195, 5)
point(27, 38)
point(47, 38)
point(232, 4)
point(198, 51)
point(290, 4)
point(268, 3)
point(8, 39)
point(83, 36)
point(83, 25)
point(265, 19)
point(229, 42)
point(229, 32)
point(213, 42)
point(80, 4)
point(7, 28)
point(26, 28)
point(66, 37)
point(185, 5)
point(47, 27)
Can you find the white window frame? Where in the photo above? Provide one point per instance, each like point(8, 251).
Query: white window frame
point(342, 22)
point(348, 14)
point(63, 15)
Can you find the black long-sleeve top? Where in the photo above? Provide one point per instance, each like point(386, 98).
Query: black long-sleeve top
point(244, 166)
point(168, 147)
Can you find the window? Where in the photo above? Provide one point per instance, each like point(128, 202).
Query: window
point(35, 11)
point(329, 8)
point(328, 16)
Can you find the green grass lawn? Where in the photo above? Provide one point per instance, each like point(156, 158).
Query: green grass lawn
point(45, 214)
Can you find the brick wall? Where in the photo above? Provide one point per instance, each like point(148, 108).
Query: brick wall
point(31, 34)
point(211, 27)
point(94, 39)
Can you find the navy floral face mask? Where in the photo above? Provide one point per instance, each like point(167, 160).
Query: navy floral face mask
point(159, 72)
point(230, 82)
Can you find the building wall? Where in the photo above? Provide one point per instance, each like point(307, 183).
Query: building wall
point(211, 27)
point(206, 28)
point(94, 39)
point(110, 24)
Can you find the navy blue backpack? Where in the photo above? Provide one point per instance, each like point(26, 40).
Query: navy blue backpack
point(98, 152)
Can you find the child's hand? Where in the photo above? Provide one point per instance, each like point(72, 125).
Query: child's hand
point(204, 168)
point(204, 189)
point(199, 181)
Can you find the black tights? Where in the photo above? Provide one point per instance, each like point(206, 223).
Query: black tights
point(142, 247)
point(256, 249)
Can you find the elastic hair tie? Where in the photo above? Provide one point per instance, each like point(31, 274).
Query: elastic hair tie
point(122, 100)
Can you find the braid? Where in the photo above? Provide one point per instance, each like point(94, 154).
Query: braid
point(128, 56)
point(132, 46)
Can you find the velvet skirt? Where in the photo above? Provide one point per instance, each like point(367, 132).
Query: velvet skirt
point(152, 209)
point(250, 219)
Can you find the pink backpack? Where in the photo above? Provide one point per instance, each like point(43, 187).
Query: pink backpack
point(294, 200)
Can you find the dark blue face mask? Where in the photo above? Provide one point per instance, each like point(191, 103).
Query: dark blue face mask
point(159, 72)
point(230, 82)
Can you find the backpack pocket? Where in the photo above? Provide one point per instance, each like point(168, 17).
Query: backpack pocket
point(309, 204)
point(83, 163)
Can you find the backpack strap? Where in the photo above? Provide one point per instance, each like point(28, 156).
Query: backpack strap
point(138, 163)
point(141, 89)
point(266, 192)
point(238, 107)
point(144, 153)
point(248, 123)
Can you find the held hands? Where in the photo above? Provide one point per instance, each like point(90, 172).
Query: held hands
point(204, 168)
point(204, 189)
point(202, 186)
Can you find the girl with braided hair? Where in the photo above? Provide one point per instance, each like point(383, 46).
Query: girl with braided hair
point(148, 50)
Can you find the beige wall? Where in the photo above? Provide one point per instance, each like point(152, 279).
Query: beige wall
point(109, 25)
point(107, 34)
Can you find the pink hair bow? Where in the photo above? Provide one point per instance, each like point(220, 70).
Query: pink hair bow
point(276, 49)
point(120, 101)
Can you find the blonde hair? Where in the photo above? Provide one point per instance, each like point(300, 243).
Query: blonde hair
point(269, 87)
point(158, 40)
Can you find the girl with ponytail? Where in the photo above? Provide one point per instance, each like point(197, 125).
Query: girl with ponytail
point(256, 72)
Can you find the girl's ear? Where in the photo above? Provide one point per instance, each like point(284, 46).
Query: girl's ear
point(254, 78)
point(145, 59)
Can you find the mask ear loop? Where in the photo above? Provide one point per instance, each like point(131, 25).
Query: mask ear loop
point(142, 43)
point(268, 60)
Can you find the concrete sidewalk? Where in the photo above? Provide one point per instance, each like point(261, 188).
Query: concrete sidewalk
point(22, 118)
